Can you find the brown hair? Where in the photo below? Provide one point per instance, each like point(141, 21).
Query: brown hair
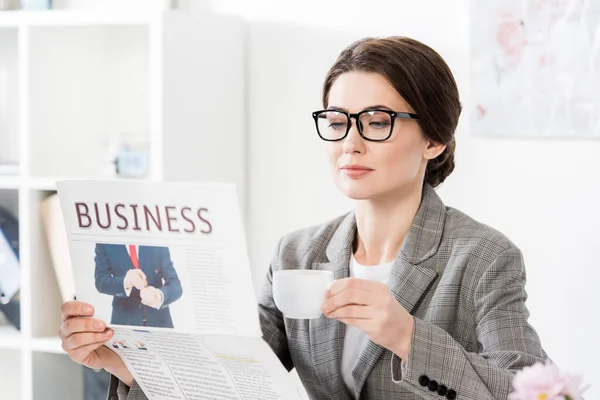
point(422, 78)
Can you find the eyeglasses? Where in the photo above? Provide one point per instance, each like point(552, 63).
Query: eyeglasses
point(373, 125)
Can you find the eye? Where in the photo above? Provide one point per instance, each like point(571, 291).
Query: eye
point(379, 124)
point(337, 125)
point(335, 120)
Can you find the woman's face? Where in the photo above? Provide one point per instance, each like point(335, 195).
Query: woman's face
point(368, 170)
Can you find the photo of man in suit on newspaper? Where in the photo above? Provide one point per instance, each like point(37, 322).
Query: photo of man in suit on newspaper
point(142, 281)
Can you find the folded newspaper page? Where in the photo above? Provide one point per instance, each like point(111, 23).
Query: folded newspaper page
point(166, 266)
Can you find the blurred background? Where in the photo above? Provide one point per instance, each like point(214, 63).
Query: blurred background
point(223, 91)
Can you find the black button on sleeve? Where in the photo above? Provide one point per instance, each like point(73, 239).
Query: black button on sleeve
point(451, 395)
point(442, 390)
point(423, 380)
point(433, 386)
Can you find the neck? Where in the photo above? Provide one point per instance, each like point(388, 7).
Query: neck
point(382, 225)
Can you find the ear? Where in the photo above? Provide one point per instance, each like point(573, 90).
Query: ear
point(433, 150)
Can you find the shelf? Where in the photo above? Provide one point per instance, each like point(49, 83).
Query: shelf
point(76, 18)
point(42, 183)
point(47, 345)
point(82, 84)
point(15, 182)
point(55, 376)
point(49, 184)
point(10, 338)
point(11, 374)
point(9, 182)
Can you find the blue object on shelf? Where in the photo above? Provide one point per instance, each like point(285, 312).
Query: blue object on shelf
point(36, 4)
point(132, 162)
point(12, 311)
point(9, 267)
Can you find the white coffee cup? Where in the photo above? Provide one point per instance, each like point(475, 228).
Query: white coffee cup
point(299, 293)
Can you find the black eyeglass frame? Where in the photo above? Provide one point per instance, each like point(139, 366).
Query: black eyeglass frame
point(356, 116)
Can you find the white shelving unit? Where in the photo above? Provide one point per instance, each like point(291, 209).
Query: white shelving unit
point(11, 339)
point(172, 80)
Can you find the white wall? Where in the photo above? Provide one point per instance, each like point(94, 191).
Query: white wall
point(545, 195)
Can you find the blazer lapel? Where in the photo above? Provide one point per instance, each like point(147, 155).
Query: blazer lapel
point(123, 259)
point(142, 255)
point(408, 281)
point(327, 335)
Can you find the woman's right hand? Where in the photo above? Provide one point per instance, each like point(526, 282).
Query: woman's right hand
point(83, 339)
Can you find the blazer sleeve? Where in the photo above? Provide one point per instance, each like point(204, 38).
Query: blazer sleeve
point(172, 288)
point(507, 342)
point(105, 281)
point(117, 390)
point(271, 319)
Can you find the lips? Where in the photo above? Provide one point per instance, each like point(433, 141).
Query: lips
point(356, 171)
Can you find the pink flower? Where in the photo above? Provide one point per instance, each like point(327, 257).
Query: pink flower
point(574, 389)
point(545, 382)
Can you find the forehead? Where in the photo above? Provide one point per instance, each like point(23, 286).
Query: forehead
point(355, 91)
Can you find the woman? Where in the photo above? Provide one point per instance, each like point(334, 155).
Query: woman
point(427, 303)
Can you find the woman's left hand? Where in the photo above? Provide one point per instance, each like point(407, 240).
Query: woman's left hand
point(372, 308)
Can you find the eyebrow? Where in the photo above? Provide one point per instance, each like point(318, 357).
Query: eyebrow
point(373, 107)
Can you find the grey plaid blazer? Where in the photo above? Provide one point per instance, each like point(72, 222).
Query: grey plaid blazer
point(462, 281)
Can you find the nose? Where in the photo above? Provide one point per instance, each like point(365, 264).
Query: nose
point(353, 142)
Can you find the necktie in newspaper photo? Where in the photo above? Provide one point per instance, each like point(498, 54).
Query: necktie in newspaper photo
point(136, 264)
point(133, 256)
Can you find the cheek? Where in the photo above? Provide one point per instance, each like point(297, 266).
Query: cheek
point(402, 160)
point(333, 151)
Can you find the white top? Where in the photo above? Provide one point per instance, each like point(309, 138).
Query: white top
point(355, 339)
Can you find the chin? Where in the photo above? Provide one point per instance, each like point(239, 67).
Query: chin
point(364, 190)
point(356, 191)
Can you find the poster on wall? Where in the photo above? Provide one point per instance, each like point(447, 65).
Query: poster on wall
point(535, 68)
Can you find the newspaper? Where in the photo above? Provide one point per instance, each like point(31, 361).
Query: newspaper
point(166, 266)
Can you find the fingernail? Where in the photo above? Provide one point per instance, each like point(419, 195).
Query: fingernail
point(108, 332)
point(99, 325)
point(87, 309)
